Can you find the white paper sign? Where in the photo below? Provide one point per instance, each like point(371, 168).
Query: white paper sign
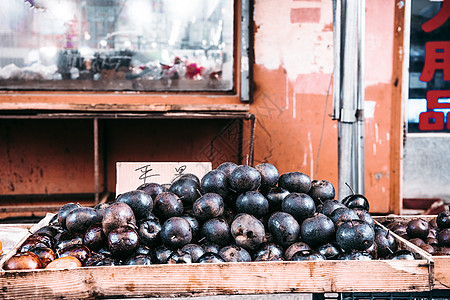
point(130, 175)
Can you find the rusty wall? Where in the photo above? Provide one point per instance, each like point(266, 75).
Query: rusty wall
point(293, 98)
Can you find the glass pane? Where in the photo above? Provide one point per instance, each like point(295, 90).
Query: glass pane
point(429, 54)
point(110, 45)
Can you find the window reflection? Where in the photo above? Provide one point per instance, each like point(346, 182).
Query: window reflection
point(116, 44)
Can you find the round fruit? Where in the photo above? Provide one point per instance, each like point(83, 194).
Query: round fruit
point(208, 206)
point(234, 254)
point(321, 190)
point(168, 205)
point(247, 231)
point(152, 188)
point(275, 197)
point(244, 178)
point(66, 262)
point(194, 250)
point(386, 243)
point(283, 228)
point(443, 219)
point(267, 251)
point(355, 235)
point(418, 228)
point(23, 261)
point(116, 215)
point(46, 255)
point(300, 205)
point(149, 232)
point(329, 206)
point(179, 257)
point(161, 254)
point(139, 201)
point(295, 182)
point(80, 218)
point(269, 176)
point(317, 230)
point(444, 237)
point(209, 258)
point(139, 260)
point(187, 189)
point(344, 214)
point(217, 231)
point(123, 241)
point(227, 167)
point(252, 202)
point(94, 237)
point(356, 201)
point(64, 211)
point(176, 232)
point(330, 250)
point(81, 252)
point(216, 181)
point(307, 255)
point(294, 248)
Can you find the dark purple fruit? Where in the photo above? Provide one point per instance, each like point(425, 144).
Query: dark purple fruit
point(244, 178)
point(247, 231)
point(234, 254)
point(330, 251)
point(123, 241)
point(195, 226)
point(321, 190)
point(37, 241)
point(275, 197)
point(418, 228)
point(66, 239)
point(300, 205)
point(48, 230)
point(64, 211)
point(81, 252)
point(168, 205)
point(417, 241)
point(148, 231)
point(227, 167)
point(341, 215)
point(194, 250)
point(386, 243)
point(443, 219)
point(176, 232)
point(139, 201)
point(294, 248)
point(139, 260)
point(209, 258)
point(94, 237)
point(443, 238)
point(307, 255)
point(152, 188)
point(217, 231)
point(210, 247)
point(284, 228)
point(365, 216)
point(143, 250)
point(46, 255)
point(317, 230)
point(403, 255)
point(116, 215)
point(355, 235)
point(161, 254)
point(208, 206)
point(253, 203)
point(101, 208)
point(187, 189)
point(269, 176)
point(356, 201)
point(179, 257)
point(329, 206)
point(295, 182)
point(266, 251)
point(355, 255)
point(216, 181)
point(80, 218)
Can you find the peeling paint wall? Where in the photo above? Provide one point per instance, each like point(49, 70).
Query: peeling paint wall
point(293, 97)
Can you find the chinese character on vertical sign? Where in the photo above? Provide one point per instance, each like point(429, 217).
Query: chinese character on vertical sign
point(437, 58)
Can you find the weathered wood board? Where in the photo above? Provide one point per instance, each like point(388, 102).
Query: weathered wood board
point(217, 279)
point(441, 267)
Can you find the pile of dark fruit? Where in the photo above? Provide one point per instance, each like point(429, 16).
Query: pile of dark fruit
point(433, 235)
point(235, 213)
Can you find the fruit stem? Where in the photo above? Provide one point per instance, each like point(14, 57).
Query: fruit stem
point(353, 192)
point(390, 250)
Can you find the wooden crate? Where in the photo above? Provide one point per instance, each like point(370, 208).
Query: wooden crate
point(219, 279)
point(441, 269)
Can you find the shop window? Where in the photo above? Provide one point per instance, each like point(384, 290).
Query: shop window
point(428, 104)
point(118, 45)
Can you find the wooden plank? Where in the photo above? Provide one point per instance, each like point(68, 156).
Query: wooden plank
point(217, 279)
point(397, 112)
point(441, 268)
